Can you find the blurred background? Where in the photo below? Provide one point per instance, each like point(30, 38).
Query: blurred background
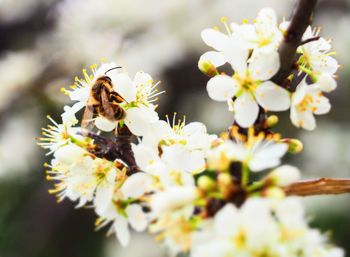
point(45, 43)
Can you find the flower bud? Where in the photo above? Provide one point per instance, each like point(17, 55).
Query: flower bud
point(294, 145)
point(205, 183)
point(284, 175)
point(207, 68)
point(272, 121)
point(224, 179)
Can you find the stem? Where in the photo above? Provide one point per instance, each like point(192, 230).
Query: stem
point(301, 18)
point(245, 175)
point(321, 186)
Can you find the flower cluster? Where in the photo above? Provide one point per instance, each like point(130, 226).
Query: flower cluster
point(193, 190)
point(252, 52)
point(279, 229)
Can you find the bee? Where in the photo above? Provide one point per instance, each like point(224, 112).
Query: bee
point(103, 101)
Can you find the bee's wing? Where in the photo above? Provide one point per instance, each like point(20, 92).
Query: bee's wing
point(87, 123)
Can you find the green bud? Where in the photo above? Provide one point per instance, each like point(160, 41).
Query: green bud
point(272, 121)
point(294, 145)
point(205, 183)
point(207, 68)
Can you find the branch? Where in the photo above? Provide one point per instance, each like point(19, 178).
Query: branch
point(118, 148)
point(301, 18)
point(321, 186)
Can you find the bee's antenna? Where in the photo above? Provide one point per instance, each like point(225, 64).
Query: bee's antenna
point(118, 67)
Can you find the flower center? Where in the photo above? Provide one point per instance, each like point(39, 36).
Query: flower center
point(306, 104)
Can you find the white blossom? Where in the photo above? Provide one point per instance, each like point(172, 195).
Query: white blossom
point(264, 33)
point(250, 86)
point(258, 153)
point(316, 55)
point(309, 100)
point(279, 229)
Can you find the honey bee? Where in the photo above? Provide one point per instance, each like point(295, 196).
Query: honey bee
point(103, 101)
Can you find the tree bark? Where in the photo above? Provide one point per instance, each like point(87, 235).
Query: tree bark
point(300, 20)
point(320, 186)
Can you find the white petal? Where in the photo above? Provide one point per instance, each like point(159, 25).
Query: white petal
point(267, 156)
point(68, 116)
point(325, 64)
point(326, 82)
point(105, 67)
point(69, 154)
point(227, 218)
point(80, 94)
point(246, 110)
point(272, 97)
point(323, 105)
point(141, 79)
point(264, 64)
point(144, 155)
point(221, 87)
point(215, 39)
point(104, 124)
point(305, 119)
point(138, 119)
point(194, 128)
point(124, 86)
point(122, 230)
point(216, 58)
point(236, 53)
point(285, 175)
point(136, 185)
point(136, 217)
point(103, 198)
point(267, 16)
point(300, 93)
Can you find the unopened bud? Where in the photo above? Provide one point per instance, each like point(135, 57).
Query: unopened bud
point(272, 121)
point(205, 183)
point(284, 175)
point(275, 193)
point(294, 145)
point(224, 179)
point(207, 68)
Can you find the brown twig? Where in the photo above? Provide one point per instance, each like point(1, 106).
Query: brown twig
point(301, 18)
point(321, 186)
point(116, 148)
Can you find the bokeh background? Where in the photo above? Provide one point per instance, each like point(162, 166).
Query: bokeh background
point(45, 43)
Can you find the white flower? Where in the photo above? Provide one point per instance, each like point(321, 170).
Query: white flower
point(119, 209)
point(78, 175)
point(263, 34)
point(183, 146)
point(57, 135)
point(258, 154)
point(249, 87)
point(316, 55)
point(169, 169)
point(263, 227)
point(309, 100)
